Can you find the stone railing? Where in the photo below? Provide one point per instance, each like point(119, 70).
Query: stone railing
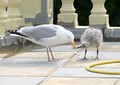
point(98, 14)
point(10, 16)
point(14, 13)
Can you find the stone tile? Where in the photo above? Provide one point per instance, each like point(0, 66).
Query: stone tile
point(20, 80)
point(58, 48)
point(102, 55)
point(28, 67)
point(79, 81)
point(77, 62)
point(74, 63)
point(31, 63)
point(118, 83)
point(110, 47)
point(82, 72)
point(25, 71)
point(43, 55)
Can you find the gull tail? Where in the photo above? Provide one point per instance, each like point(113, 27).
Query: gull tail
point(83, 45)
point(79, 46)
point(15, 33)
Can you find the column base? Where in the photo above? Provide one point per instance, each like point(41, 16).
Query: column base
point(2, 30)
point(101, 19)
point(3, 26)
point(68, 20)
point(15, 23)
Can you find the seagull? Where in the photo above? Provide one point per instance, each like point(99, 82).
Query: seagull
point(92, 37)
point(46, 35)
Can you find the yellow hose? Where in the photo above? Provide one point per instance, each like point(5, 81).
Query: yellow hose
point(89, 67)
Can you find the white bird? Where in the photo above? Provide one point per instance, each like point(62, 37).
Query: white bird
point(46, 35)
point(92, 37)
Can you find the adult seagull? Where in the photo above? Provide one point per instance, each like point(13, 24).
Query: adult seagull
point(46, 35)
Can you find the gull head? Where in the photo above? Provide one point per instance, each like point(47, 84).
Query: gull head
point(70, 38)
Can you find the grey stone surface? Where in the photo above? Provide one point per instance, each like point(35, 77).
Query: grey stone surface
point(58, 48)
point(112, 33)
point(80, 81)
point(30, 63)
point(82, 72)
point(102, 55)
point(20, 80)
point(33, 69)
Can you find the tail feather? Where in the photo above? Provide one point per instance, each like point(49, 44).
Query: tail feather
point(83, 45)
point(79, 46)
point(16, 33)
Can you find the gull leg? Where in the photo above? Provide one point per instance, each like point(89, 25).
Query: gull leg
point(52, 55)
point(97, 55)
point(85, 55)
point(47, 50)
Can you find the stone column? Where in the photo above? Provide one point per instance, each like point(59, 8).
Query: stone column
point(50, 10)
point(14, 15)
point(31, 11)
point(98, 14)
point(67, 17)
point(3, 15)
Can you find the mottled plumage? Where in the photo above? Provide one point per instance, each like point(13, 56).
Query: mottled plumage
point(92, 37)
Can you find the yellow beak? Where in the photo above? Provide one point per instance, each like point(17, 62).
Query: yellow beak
point(73, 44)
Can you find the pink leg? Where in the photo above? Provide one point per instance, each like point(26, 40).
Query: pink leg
point(47, 50)
point(51, 53)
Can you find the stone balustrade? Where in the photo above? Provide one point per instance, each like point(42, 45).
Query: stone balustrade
point(10, 16)
point(67, 17)
point(3, 15)
point(98, 13)
point(14, 13)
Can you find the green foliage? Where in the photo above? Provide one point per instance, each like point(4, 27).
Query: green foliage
point(83, 8)
point(113, 9)
point(56, 10)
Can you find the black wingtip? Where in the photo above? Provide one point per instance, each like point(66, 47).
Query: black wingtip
point(12, 31)
point(16, 32)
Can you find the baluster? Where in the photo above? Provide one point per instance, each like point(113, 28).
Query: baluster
point(14, 15)
point(3, 15)
point(50, 10)
point(98, 13)
point(67, 17)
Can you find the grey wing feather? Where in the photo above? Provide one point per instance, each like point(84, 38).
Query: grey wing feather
point(39, 32)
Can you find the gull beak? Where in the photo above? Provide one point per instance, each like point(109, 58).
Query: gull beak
point(73, 44)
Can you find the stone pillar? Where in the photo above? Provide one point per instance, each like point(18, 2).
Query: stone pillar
point(30, 8)
point(67, 17)
point(3, 15)
point(98, 13)
point(50, 10)
point(14, 15)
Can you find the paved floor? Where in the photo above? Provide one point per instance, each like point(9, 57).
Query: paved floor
point(30, 66)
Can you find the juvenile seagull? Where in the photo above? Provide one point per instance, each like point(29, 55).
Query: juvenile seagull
point(46, 35)
point(92, 37)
